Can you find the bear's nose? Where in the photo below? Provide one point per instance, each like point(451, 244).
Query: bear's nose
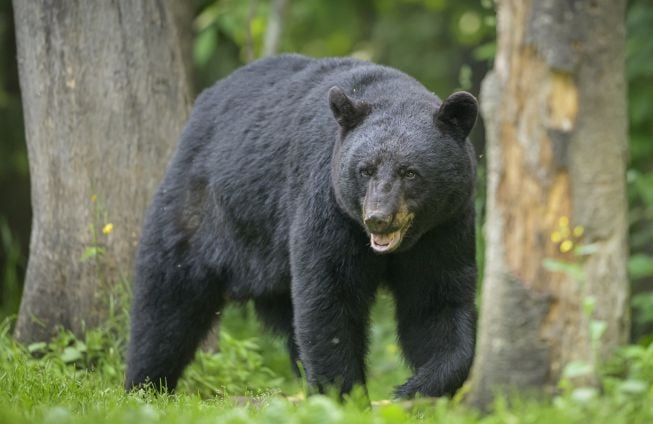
point(378, 222)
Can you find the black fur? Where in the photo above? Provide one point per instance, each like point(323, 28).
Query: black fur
point(265, 199)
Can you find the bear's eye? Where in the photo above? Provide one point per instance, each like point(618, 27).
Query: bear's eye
point(410, 174)
point(367, 171)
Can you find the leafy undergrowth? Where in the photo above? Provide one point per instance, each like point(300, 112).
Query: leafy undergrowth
point(249, 381)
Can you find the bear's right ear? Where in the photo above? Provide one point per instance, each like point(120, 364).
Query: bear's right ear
point(347, 111)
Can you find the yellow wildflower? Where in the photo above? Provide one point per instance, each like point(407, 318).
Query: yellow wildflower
point(107, 229)
point(579, 231)
point(556, 237)
point(93, 198)
point(566, 246)
point(564, 232)
point(563, 221)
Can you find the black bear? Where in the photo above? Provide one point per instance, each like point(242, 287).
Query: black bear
point(305, 185)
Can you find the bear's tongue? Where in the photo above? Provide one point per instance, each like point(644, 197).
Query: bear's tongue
point(384, 242)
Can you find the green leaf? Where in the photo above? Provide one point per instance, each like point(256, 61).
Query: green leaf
point(572, 270)
point(633, 386)
point(584, 394)
point(91, 252)
point(642, 304)
point(80, 346)
point(37, 347)
point(586, 249)
point(204, 46)
point(577, 369)
point(597, 328)
point(485, 51)
point(589, 303)
point(393, 413)
point(208, 17)
point(70, 354)
point(109, 370)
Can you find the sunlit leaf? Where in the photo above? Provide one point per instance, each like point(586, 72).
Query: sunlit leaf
point(70, 354)
point(633, 386)
point(37, 347)
point(577, 369)
point(584, 394)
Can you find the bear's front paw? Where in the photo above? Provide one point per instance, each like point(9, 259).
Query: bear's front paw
point(423, 386)
point(407, 390)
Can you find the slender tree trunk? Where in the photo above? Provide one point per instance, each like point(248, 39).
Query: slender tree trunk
point(104, 98)
point(250, 51)
point(275, 27)
point(555, 111)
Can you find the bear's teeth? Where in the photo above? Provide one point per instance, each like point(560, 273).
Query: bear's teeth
point(384, 241)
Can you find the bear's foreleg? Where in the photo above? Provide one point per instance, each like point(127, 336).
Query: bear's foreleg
point(332, 310)
point(438, 342)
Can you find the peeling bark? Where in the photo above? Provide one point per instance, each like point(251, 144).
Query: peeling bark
point(555, 112)
point(104, 99)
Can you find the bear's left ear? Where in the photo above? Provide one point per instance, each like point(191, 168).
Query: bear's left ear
point(347, 111)
point(458, 113)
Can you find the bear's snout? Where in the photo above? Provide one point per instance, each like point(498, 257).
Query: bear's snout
point(378, 222)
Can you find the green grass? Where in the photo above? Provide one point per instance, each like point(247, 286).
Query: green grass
point(249, 380)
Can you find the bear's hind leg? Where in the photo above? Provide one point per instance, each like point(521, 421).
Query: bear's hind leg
point(173, 310)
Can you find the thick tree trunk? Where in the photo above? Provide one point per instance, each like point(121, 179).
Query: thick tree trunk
point(555, 111)
point(104, 97)
point(182, 14)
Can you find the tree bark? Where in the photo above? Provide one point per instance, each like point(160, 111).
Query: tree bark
point(555, 113)
point(104, 98)
point(183, 14)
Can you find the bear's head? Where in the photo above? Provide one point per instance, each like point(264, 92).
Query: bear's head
point(401, 167)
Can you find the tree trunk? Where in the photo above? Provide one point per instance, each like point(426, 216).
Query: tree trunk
point(275, 27)
point(555, 112)
point(182, 15)
point(104, 98)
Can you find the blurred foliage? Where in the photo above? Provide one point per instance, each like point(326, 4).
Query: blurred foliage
point(14, 178)
point(13, 270)
point(639, 56)
point(432, 40)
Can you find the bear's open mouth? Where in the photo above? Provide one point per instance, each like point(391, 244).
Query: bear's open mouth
point(386, 243)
